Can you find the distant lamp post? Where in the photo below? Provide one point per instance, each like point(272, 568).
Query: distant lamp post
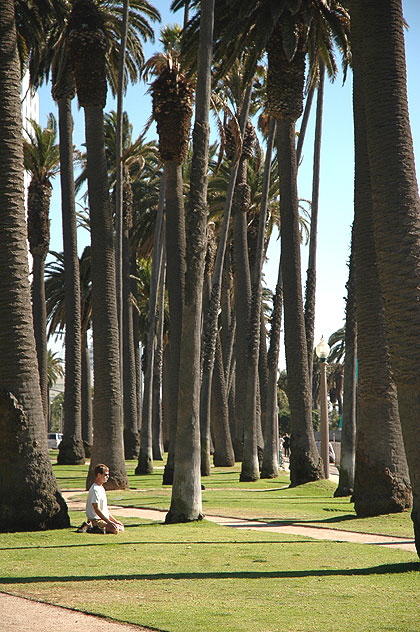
point(322, 350)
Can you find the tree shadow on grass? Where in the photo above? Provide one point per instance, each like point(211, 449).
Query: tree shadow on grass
point(105, 540)
point(383, 569)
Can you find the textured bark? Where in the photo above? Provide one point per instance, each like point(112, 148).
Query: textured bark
point(39, 313)
point(254, 334)
point(382, 482)
point(131, 422)
point(107, 404)
point(150, 430)
point(270, 462)
point(211, 312)
point(29, 497)
point(305, 463)
point(242, 306)
point(175, 280)
point(39, 197)
point(224, 455)
point(71, 449)
point(87, 413)
point(310, 294)
point(186, 503)
point(348, 432)
point(379, 65)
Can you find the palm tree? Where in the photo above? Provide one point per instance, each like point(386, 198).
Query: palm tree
point(383, 119)
point(348, 431)
point(55, 371)
point(137, 158)
point(186, 502)
point(148, 446)
point(285, 78)
point(382, 483)
point(29, 497)
point(87, 42)
point(56, 317)
point(41, 160)
point(285, 31)
point(172, 109)
point(55, 57)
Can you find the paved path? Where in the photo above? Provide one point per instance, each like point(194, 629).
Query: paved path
point(319, 533)
point(19, 613)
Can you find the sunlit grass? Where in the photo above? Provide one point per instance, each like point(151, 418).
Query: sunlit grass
point(266, 499)
point(201, 576)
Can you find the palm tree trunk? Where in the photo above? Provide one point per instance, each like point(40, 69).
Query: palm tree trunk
point(305, 463)
point(271, 435)
point(224, 455)
point(157, 421)
point(242, 305)
point(130, 402)
point(381, 482)
point(186, 504)
point(107, 405)
point(71, 449)
point(304, 124)
point(87, 416)
point(175, 280)
point(313, 240)
point(348, 432)
point(40, 327)
point(145, 463)
point(211, 313)
point(29, 496)
point(250, 454)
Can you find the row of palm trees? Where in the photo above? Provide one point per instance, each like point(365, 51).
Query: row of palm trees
point(217, 375)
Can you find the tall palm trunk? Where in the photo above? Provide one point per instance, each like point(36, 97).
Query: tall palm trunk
point(250, 455)
point(210, 328)
point(39, 314)
point(381, 482)
point(379, 63)
point(285, 81)
point(305, 463)
point(29, 497)
point(310, 294)
point(270, 450)
point(130, 402)
point(224, 455)
point(86, 38)
point(87, 416)
point(71, 449)
point(145, 463)
point(175, 280)
point(186, 504)
point(270, 462)
point(107, 403)
point(157, 419)
point(348, 431)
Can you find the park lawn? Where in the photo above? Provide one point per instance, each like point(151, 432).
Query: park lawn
point(266, 499)
point(271, 500)
point(201, 576)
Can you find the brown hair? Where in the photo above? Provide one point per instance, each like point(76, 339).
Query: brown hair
point(100, 469)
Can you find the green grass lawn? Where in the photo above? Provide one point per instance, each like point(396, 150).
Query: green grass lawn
point(201, 576)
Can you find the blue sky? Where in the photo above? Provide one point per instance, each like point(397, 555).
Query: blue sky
point(336, 189)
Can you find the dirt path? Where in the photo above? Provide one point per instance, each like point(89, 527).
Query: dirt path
point(19, 613)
